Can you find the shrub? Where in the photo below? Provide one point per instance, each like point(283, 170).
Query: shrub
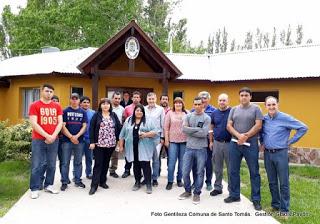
point(15, 141)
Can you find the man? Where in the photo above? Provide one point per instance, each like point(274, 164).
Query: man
point(85, 105)
point(118, 109)
point(275, 142)
point(126, 99)
point(128, 111)
point(222, 138)
point(244, 123)
point(208, 109)
point(46, 121)
point(156, 113)
point(164, 102)
point(196, 127)
point(74, 127)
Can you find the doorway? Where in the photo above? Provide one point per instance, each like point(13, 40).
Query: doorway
point(143, 91)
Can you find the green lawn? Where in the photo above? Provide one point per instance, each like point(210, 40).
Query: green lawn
point(14, 182)
point(304, 189)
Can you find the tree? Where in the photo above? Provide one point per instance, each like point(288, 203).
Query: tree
point(299, 34)
point(224, 44)
point(233, 45)
point(274, 37)
point(282, 37)
point(210, 45)
point(288, 41)
point(217, 41)
point(266, 40)
point(258, 43)
point(248, 41)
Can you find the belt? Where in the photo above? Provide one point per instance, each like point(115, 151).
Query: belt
point(274, 150)
point(223, 141)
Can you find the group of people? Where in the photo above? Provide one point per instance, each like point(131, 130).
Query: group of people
point(200, 141)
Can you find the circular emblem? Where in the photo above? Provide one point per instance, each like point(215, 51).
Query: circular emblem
point(132, 48)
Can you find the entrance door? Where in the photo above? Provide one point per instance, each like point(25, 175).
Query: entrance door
point(143, 91)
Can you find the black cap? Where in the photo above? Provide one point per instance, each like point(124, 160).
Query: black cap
point(74, 95)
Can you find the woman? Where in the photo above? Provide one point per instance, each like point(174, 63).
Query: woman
point(175, 140)
point(138, 133)
point(104, 133)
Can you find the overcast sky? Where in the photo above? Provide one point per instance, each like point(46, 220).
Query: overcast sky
point(239, 16)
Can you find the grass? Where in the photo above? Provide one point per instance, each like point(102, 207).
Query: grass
point(304, 192)
point(14, 182)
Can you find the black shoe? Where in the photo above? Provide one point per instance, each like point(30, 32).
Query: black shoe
point(104, 185)
point(143, 182)
point(179, 183)
point(231, 199)
point(125, 174)
point(114, 174)
point(257, 205)
point(69, 182)
point(169, 186)
point(63, 187)
point(155, 183)
point(136, 186)
point(149, 189)
point(215, 192)
point(274, 209)
point(80, 184)
point(41, 187)
point(92, 190)
point(89, 177)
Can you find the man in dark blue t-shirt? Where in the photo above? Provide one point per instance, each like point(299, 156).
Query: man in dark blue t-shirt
point(221, 139)
point(74, 126)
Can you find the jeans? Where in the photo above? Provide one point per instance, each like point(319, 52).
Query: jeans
point(208, 168)
point(251, 155)
point(67, 148)
point(43, 157)
point(175, 152)
point(191, 156)
point(88, 156)
point(155, 161)
point(277, 167)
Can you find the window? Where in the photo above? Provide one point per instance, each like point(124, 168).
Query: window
point(177, 94)
point(260, 96)
point(78, 90)
point(29, 96)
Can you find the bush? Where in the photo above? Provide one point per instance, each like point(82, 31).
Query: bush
point(15, 141)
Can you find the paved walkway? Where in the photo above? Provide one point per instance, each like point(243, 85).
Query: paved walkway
point(120, 204)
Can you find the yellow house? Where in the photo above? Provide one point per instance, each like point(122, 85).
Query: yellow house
point(131, 61)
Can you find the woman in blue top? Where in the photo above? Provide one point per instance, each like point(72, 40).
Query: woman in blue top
point(138, 133)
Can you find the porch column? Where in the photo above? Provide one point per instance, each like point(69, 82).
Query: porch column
point(95, 90)
point(165, 83)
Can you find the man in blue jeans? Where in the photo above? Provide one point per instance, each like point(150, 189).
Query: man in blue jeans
point(46, 121)
point(85, 105)
point(244, 123)
point(74, 126)
point(275, 143)
point(196, 127)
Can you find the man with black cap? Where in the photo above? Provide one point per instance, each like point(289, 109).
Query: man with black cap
point(74, 126)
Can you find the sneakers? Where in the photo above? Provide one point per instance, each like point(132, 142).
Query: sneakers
point(196, 199)
point(80, 184)
point(104, 186)
point(63, 187)
point(209, 187)
point(136, 186)
point(114, 174)
point(169, 186)
point(51, 189)
point(149, 189)
point(34, 194)
point(125, 174)
point(257, 205)
point(215, 192)
point(184, 195)
point(231, 199)
point(179, 183)
point(155, 183)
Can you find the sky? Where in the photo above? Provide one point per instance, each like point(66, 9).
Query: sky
point(240, 16)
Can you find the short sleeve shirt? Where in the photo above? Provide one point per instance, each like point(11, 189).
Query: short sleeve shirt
point(47, 117)
point(74, 119)
point(244, 118)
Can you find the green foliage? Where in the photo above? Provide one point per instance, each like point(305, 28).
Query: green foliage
point(15, 141)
